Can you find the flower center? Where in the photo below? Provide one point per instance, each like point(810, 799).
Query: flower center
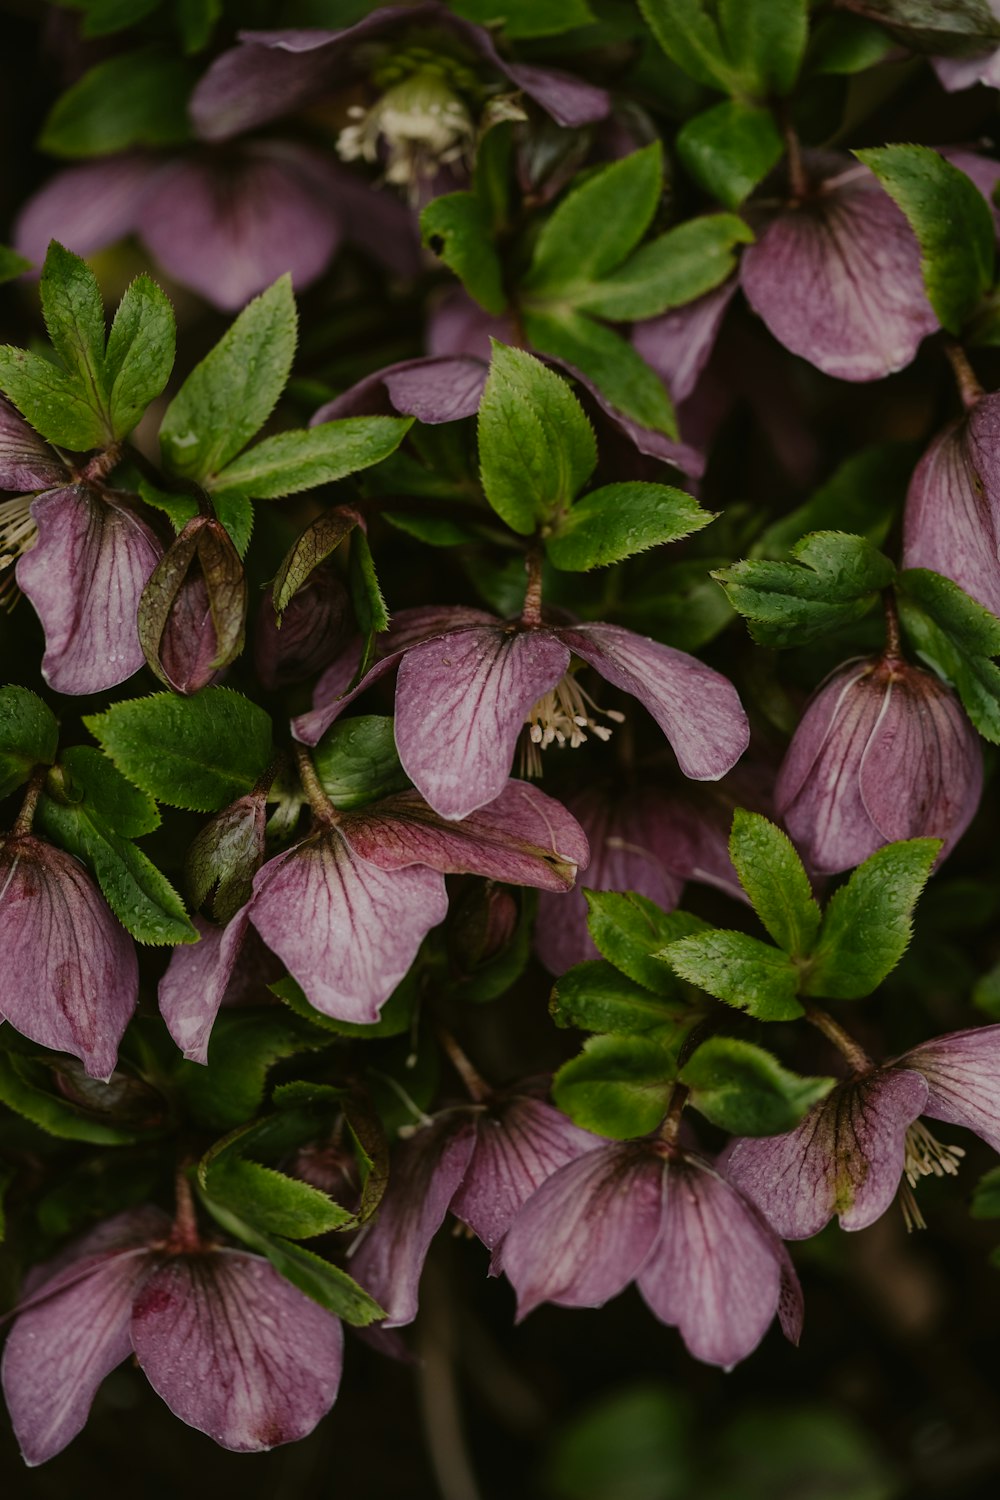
point(18, 534)
point(925, 1156)
point(564, 716)
point(420, 123)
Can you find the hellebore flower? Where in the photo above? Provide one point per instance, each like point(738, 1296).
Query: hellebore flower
point(70, 978)
point(836, 274)
point(315, 627)
point(701, 1254)
point(232, 1348)
point(192, 614)
point(482, 1161)
point(469, 683)
point(850, 1152)
point(883, 752)
point(346, 908)
point(952, 518)
point(83, 556)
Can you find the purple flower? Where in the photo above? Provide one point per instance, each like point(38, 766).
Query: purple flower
point(231, 1347)
point(952, 519)
point(883, 752)
point(70, 978)
point(836, 276)
point(192, 613)
point(850, 1152)
point(482, 1161)
point(678, 344)
point(314, 629)
point(469, 684)
point(700, 1253)
point(347, 908)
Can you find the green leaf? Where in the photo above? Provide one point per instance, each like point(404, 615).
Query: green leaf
point(631, 930)
point(689, 36)
point(618, 1086)
point(51, 400)
point(679, 266)
point(74, 316)
point(84, 773)
point(950, 218)
point(745, 973)
point(200, 753)
point(536, 447)
point(597, 224)
point(619, 521)
point(766, 40)
point(235, 510)
point(745, 1090)
point(29, 1086)
point(603, 356)
point(140, 353)
point(318, 542)
point(245, 1045)
point(862, 496)
point(971, 627)
point(773, 876)
point(867, 924)
point(729, 149)
point(458, 230)
point(527, 18)
point(596, 996)
point(356, 761)
point(12, 265)
point(986, 1197)
point(957, 636)
point(433, 531)
point(367, 600)
point(834, 579)
point(29, 736)
point(843, 44)
point(135, 99)
point(229, 396)
point(180, 506)
point(103, 17)
point(196, 20)
point(274, 1203)
point(395, 1017)
point(295, 461)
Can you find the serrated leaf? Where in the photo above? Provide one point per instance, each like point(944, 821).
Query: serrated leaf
point(84, 773)
point(244, 1046)
point(274, 1203)
point(957, 636)
point(357, 761)
point(51, 400)
point(630, 931)
point(773, 876)
point(740, 970)
point(676, 268)
point(745, 1090)
point(618, 1086)
point(596, 996)
point(395, 1017)
point(28, 1087)
point(457, 228)
point(620, 520)
point(862, 496)
point(318, 542)
point(609, 361)
point(367, 599)
point(294, 461)
point(74, 317)
point(140, 353)
point(29, 736)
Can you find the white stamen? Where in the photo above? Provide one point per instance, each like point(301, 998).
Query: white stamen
point(18, 534)
point(422, 126)
point(565, 715)
point(925, 1156)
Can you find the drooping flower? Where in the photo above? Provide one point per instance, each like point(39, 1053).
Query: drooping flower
point(231, 1347)
point(192, 613)
point(469, 683)
point(70, 978)
point(836, 275)
point(883, 752)
point(346, 908)
point(702, 1256)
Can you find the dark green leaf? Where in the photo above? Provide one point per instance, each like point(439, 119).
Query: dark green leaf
point(986, 1198)
point(527, 18)
point(356, 761)
point(603, 356)
point(140, 353)
point(957, 636)
point(631, 930)
point(862, 496)
point(743, 972)
point(367, 601)
point(765, 40)
point(12, 265)
point(295, 461)
point(847, 44)
point(244, 1046)
point(106, 16)
point(730, 148)
point(745, 1090)
point(596, 996)
point(74, 316)
point(619, 521)
point(134, 99)
point(395, 1016)
point(457, 228)
point(689, 36)
point(773, 876)
point(84, 774)
point(618, 1086)
point(28, 1086)
point(29, 736)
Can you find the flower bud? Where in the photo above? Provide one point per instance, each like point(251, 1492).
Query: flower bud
point(226, 855)
point(481, 925)
point(315, 627)
point(192, 614)
point(883, 752)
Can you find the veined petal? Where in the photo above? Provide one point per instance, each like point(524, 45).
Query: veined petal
point(678, 344)
point(697, 708)
point(432, 390)
point(195, 982)
point(26, 460)
point(345, 930)
point(845, 1157)
point(963, 1079)
point(235, 1350)
point(85, 207)
point(953, 506)
point(461, 701)
point(424, 1175)
point(85, 576)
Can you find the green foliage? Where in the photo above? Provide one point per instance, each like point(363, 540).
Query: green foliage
point(29, 736)
point(134, 99)
point(741, 970)
point(609, 361)
point(729, 148)
point(620, 520)
point(745, 1090)
point(457, 228)
point(12, 265)
point(862, 496)
point(959, 638)
point(773, 876)
point(318, 542)
point(294, 461)
point(630, 931)
point(750, 47)
point(678, 267)
point(244, 1047)
point(40, 1088)
point(619, 1086)
point(395, 1017)
point(596, 996)
point(356, 761)
point(367, 600)
point(528, 18)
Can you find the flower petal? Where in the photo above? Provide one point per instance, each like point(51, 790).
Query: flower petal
point(85, 207)
point(697, 708)
point(963, 1079)
point(235, 1350)
point(845, 1157)
point(678, 344)
point(85, 576)
point(195, 982)
point(26, 460)
point(432, 390)
point(461, 701)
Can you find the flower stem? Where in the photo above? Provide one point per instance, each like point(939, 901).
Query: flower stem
point(966, 379)
point(478, 1089)
point(531, 613)
point(101, 465)
point(670, 1127)
point(797, 175)
point(26, 817)
point(849, 1049)
point(322, 808)
point(184, 1236)
point(893, 644)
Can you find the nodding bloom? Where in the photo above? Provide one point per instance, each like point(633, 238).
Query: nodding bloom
point(835, 274)
point(471, 685)
point(703, 1257)
point(850, 1153)
point(884, 751)
point(232, 1347)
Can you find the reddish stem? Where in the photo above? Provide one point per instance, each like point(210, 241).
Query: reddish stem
point(966, 379)
point(322, 808)
point(849, 1049)
point(531, 614)
point(476, 1085)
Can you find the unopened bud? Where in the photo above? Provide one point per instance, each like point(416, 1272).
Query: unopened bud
point(192, 615)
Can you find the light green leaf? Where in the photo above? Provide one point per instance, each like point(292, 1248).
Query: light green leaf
point(689, 35)
point(293, 461)
point(51, 400)
point(74, 316)
point(29, 736)
point(766, 40)
point(773, 876)
point(140, 353)
point(730, 148)
point(676, 268)
point(12, 265)
point(619, 521)
point(745, 973)
point(457, 228)
point(957, 636)
point(623, 378)
point(745, 1090)
point(618, 1086)
point(631, 930)
point(356, 761)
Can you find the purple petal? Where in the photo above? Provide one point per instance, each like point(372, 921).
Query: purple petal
point(569, 100)
point(716, 1271)
point(196, 980)
point(461, 702)
point(346, 931)
point(235, 1350)
point(85, 207)
point(425, 1173)
point(313, 632)
point(957, 73)
point(432, 390)
point(837, 278)
point(26, 460)
point(70, 978)
point(457, 325)
point(588, 1229)
point(697, 708)
point(519, 1143)
point(256, 82)
point(845, 1157)
point(523, 838)
point(646, 440)
point(85, 576)
point(963, 1079)
point(678, 344)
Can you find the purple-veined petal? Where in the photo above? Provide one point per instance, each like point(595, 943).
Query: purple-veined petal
point(963, 1079)
point(85, 207)
point(195, 982)
point(588, 1229)
point(845, 1157)
point(461, 701)
point(70, 978)
point(837, 278)
point(257, 81)
point(314, 630)
point(519, 1143)
point(345, 930)
point(26, 460)
point(235, 1350)
point(433, 390)
point(523, 837)
point(697, 708)
point(715, 1272)
point(424, 1175)
point(677, 345)
point(85, 576)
